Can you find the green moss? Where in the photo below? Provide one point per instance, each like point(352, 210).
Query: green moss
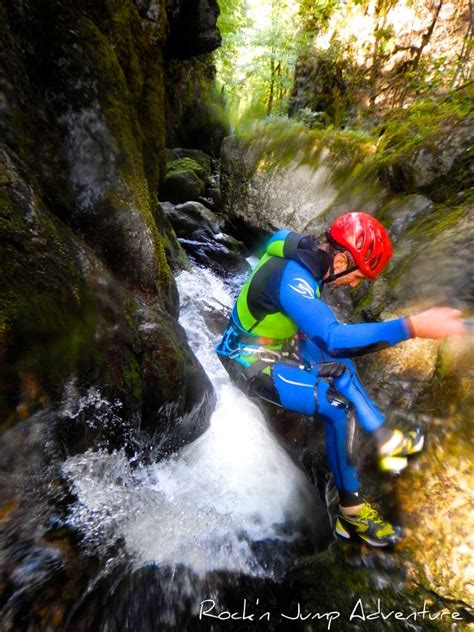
point(406, 129)
point(184, 165)
point(47, 315)
point(440, 220)
point(125, 88)
point(132, 379)
point(280, 142)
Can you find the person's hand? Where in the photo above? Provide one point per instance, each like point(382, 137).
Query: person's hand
point(438, 322)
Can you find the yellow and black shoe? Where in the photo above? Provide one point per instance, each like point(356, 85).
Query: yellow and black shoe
point(394, 452)
point(369, 526)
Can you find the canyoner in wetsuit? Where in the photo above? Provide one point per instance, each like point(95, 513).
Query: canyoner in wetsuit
point(284, 345)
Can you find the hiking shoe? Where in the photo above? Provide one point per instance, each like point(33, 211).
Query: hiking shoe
point(369, 526)
point(393, 454)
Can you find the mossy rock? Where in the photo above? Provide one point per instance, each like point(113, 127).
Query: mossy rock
point(181, 183)
point(203, 159)
point(196, 113)
point(186, 164)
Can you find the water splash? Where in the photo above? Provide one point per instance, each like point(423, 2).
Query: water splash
point(205, 507)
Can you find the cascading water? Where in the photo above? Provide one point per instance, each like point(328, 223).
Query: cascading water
point(210, 507)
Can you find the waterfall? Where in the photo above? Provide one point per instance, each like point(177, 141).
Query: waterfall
point(207, 506)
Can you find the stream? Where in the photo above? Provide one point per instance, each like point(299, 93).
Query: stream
point(231, 502)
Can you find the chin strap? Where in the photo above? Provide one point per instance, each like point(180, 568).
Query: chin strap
point(332, 277)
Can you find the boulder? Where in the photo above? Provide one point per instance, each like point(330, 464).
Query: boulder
point(191, 216)
point(200, 233)
point(181, 186)
point(440, 167)
point(199, 157)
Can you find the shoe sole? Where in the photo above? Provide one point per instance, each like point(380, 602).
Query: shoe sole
point(418, 447)
point(393, 464)
point(345, 535)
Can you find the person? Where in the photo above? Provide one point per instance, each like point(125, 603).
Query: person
point(284, 345)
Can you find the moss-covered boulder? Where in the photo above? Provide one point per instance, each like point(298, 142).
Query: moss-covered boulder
point(182, 182)
point(200, 157)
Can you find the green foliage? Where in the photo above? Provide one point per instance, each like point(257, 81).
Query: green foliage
point(257, 60)
point(406, 128)
point(344, 65)
point(232, 22)
point(315, 15)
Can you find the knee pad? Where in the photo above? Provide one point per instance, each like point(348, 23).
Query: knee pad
point(353, 437)
point(329, 370)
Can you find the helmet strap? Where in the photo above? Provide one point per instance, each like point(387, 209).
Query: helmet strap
point(332, 277)
point(336, 248)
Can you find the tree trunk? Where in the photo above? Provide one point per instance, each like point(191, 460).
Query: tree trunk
point(272, 85)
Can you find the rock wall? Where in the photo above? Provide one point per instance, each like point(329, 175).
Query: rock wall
point(88, 302)
point(280, 173)
point(83, 130)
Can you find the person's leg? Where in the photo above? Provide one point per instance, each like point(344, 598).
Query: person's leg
point(393, 446)
point(343, 464)
point(356, 518)
point(302, 392)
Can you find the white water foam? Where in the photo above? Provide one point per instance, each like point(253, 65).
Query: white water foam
point(205, 506)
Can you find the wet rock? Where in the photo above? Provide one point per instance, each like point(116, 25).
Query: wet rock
point(193, 27)
point(199, 232)
point(180, 186)
point(191, 216)
point(440, 166)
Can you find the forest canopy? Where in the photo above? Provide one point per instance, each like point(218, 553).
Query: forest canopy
point(343, 63)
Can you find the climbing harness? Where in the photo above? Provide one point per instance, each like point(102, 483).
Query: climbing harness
point(255, 353)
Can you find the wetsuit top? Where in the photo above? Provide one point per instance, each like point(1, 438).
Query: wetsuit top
point(281, 297)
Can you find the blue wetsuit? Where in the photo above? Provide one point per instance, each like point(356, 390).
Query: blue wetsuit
point(290, 287)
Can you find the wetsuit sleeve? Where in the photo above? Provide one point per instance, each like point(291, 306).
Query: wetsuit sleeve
point(299, 300)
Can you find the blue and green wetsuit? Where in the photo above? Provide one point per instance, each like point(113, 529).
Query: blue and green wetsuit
point(279, 304)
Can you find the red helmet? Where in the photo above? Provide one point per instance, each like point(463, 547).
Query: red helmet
point(366, 239)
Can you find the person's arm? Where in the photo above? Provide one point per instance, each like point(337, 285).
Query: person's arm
point(299, 300)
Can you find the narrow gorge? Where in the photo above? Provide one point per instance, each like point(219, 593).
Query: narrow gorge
point(138, 482)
